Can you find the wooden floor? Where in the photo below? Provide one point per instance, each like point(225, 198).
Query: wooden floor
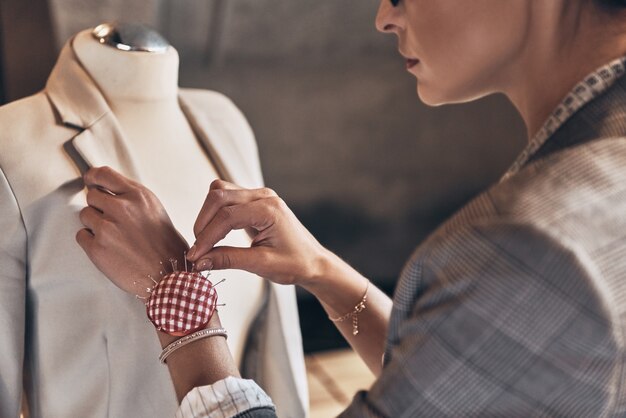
point(334, 377)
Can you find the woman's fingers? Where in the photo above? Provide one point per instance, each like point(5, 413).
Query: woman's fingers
point(225, 258)
point(108, 179)
point(282, 250)
point(223, 184)
point(84, 237)
point(258, 215)
point(226, 195)
point(100, 199)
point(91, 218)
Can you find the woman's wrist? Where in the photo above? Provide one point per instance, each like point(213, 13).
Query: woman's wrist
point(335, 284)
point(167, 339)
point(196, 352)
point(200, 363)
point(323, 268)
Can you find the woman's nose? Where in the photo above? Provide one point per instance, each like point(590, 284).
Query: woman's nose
point(387, 17)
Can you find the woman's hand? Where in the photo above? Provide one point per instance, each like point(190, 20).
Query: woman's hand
point(284, 252)
point(282, 249)
point(127, 231)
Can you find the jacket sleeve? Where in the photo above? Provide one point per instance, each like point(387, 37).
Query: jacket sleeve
point(12, 300)
point(506, 321)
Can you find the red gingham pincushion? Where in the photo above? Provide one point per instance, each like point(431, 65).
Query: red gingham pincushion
point(181, 303)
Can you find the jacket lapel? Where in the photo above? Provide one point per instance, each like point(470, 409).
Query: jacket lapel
point(103, 144)
point(80, 104)
point(100, 142)
point(231, 165)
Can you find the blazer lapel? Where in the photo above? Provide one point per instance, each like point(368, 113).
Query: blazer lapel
point(221, 148)
point(80, 104)
point(103, 144)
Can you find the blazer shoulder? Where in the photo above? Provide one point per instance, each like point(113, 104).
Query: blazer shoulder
point(219, 111)
point(577, 195)
point(26, 113)
point(30, 129)
point(571, 202)
point(521, 254)
point(214, 103)
point(563, 182)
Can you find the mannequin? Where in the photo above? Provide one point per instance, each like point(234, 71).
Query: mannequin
point(74, 348)
point(142, 90)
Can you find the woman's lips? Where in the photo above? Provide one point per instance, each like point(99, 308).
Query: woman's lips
point(410, 63)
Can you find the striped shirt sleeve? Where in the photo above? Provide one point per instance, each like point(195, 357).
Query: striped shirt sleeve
point(227, 398)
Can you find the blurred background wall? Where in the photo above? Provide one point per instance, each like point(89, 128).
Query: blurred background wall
point(341, 133)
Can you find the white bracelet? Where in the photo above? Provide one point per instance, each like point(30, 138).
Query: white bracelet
point(188, 339)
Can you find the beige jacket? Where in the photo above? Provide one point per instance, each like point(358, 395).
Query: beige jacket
point(75, 342)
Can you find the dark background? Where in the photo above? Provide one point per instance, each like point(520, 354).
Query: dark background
point(341, 133)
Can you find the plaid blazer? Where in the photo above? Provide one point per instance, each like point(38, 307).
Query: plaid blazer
point(515, 307)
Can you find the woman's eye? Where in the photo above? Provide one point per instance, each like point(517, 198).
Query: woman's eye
point(394, 3)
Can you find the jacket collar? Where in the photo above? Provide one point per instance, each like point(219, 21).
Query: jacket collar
point(72, 92)
point(80, 104)
point(602, 117)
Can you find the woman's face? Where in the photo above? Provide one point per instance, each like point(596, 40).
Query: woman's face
point(458, 50)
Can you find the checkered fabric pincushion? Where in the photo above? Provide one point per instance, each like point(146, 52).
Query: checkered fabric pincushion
point(181, 303)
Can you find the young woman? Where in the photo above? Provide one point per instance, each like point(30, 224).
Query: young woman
point(515, 306)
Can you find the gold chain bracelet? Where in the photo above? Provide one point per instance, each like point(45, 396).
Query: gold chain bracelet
point(354, 314)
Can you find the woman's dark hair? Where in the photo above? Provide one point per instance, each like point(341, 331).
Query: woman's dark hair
point(612, 3)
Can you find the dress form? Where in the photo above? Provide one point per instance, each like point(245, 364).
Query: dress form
point(141, 89)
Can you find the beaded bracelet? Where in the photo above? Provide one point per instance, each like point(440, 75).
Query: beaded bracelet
point(354, 314)
point(188, 339)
